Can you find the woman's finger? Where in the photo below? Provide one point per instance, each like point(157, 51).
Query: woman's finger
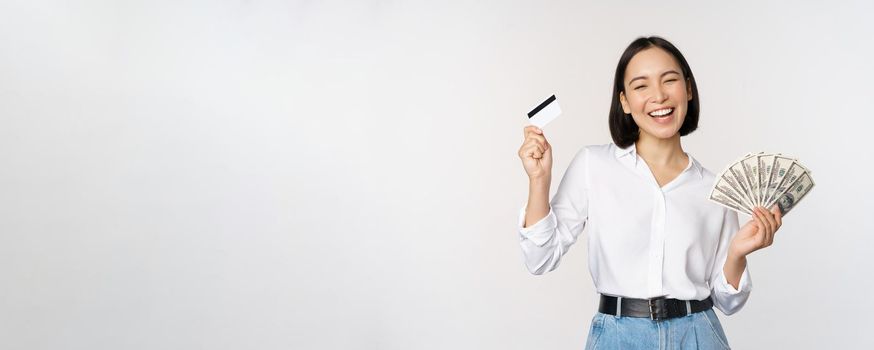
point(533, 153)
point(769, 219)
point(536, 138)
point(778, 215)
point(532, 131)
point(762, 234)
point(769, 216)
point(772, 226)
point(532, 145)
point(532, 128)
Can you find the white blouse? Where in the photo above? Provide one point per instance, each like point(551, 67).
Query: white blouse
point(644, 240)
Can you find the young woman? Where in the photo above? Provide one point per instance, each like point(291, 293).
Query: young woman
point(660, 253)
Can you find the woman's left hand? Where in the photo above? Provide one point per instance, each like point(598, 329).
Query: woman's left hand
point(757, 233)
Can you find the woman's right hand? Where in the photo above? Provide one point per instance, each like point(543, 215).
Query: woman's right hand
point(536, 154)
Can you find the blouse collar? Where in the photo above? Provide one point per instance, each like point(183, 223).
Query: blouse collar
point(632, 150)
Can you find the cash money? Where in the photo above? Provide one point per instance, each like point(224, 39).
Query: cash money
point(762, 180)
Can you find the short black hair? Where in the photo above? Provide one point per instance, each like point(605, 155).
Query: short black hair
point(622, 128)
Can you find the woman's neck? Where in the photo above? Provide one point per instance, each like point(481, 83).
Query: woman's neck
point(661, 152)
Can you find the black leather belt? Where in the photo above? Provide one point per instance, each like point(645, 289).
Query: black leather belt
point(659, 308)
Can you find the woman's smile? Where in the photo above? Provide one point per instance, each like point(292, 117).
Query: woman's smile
point(662, 116)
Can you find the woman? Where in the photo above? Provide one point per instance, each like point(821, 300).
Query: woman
point(660, 253)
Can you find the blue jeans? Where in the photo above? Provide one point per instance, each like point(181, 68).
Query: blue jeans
point(701, 330)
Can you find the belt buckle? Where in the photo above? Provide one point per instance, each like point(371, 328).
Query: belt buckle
point(658, 308)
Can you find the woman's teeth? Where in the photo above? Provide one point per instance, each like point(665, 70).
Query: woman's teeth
point(661, 113)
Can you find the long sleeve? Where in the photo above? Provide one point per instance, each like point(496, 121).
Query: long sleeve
point(725, 297)
point(546, 241)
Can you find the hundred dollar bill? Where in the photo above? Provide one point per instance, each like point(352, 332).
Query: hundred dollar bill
point(795, 171)
point(781, 166)
point(796, 192)
point(737, 171)
point(730, 182)
point(750, 167)
point(730, 186)
point(766, 164)
point(728, 201)
point(722, 185)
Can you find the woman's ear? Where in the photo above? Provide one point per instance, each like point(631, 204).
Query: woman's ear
point(624, 102)
point(689, 88)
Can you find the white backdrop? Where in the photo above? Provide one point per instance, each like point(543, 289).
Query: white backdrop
point(343, 175)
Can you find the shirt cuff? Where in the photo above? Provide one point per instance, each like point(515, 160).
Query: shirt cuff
point(539, 233)
point(743, 286)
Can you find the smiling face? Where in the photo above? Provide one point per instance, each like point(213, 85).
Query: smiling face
point(656, 93)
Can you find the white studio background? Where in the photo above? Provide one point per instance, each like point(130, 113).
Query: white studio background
point(343, 175)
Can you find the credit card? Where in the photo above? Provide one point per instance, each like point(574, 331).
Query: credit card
point(544, 113)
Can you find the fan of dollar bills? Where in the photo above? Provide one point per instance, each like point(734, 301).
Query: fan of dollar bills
point(762, 180)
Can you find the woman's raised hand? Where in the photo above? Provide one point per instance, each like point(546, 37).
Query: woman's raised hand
point(757, 233)
point(536, 154)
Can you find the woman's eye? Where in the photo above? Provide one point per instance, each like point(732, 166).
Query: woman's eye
point(639, 87)
point(671, 80)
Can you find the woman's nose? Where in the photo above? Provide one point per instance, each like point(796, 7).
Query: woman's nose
point(659, 95)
